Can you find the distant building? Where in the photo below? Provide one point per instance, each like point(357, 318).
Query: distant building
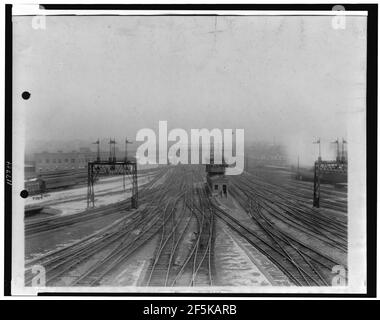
point(45, 162)
point(259, 154)
point(29, 170)
point(85, 150)
point(57, 161)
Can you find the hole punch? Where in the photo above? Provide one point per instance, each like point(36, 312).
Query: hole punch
point(24, 194)
point(25, 95)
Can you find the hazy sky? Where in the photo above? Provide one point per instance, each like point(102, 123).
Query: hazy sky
point(285, 77)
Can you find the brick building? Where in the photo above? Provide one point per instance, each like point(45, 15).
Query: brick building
point(74, 160)
point(57, 161)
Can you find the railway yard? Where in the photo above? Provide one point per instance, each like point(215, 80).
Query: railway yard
point(266, 232)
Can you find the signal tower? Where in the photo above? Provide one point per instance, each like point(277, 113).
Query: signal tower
point(338, 166)
point(112, 166)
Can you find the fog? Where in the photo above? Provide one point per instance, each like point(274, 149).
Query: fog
point(293, 79)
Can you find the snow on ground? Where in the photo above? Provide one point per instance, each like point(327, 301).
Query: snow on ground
point(230, 258)
point(107, 191)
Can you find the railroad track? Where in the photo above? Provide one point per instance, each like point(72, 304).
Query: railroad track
point(294, 218)
point(150, 228)
point(284, 194)
point(303, 191)
point(194, 268)
point(202, 274)
point(160, 270)
point(282, 207)
point(198, 267)
point(177, 211)
point(34, 227)
point(125, 248)
point(60, 263)
point(301, 264)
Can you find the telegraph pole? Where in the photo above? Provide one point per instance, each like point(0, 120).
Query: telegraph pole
point(316, 189)
point(337, 149)
point(319, 143)
point(112, 144)
point(110, 155)
point(298, 166)
point(98, 150)
point(125, 158)
point(343, 155)
point(126, 145)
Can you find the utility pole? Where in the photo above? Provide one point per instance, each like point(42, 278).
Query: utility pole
point(343, 155)
point(125, 158)
point(126, 145)
point(223, 150)
point(298, 166)
point(337, 149)
point(317, 184)
point(319, 143)
point(317, 164)
point(98, 149)
point(112, 156)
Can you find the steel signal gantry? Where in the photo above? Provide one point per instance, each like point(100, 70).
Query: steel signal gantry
point(339, 167)
point(112, 167)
